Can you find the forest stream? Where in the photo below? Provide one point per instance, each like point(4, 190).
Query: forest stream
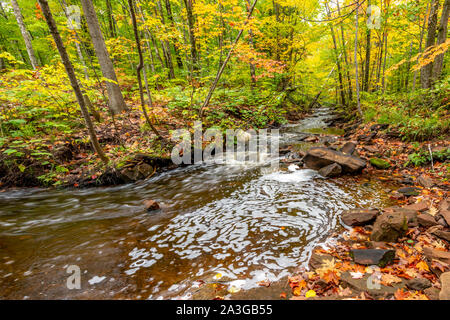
point(237, 221)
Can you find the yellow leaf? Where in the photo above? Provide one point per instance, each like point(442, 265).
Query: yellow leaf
point(422, 266)
point(310, 294)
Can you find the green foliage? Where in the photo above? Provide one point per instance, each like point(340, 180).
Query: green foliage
point(418, 116)
point(423, 157)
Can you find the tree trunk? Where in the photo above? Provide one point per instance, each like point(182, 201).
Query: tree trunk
point(116, 101)
point(426, 71)
point(72, 77)
point(165, 44)
point(172, 22)
point(109, 13)
point(344, 50)
point(338, 63)
point(250, 33)
point(190, 18)
point(25, 34)
point(139, 68)
point(422, 32)
point(441, 38)
point(358, 101)
point(367, 67)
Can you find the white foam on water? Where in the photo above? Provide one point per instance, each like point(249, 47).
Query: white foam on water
point(291, 177)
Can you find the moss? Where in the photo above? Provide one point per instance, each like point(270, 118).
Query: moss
point(379, 163)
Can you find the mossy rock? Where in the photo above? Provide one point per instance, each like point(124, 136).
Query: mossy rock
point(380, 163)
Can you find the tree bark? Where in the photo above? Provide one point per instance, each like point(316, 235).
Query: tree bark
point(344, 50)
point(172, 22)
point(441, 38)
point(367, 67)
point(25, 34)
point(72, 77)
point(194, 52)
point(139, 68)
point(116, 101)
point(422, 32)
point(109, 13)
point(358, 101)
point(426, 71)
point(338, 62)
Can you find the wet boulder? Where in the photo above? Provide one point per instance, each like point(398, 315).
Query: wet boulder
point(332, 170)
point(319, 157)
point(409, 191)
point(389, 227)
point(359, 217)
point(377, 257)
point(418, 284)
point(151, 205)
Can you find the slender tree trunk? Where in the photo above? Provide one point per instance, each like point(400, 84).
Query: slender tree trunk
point(72, 77)
point(441, 38)
point(194, 52)
point(250, 33)
point(109, 13)
point(408, 67)
point(344, 50)
point(25, 34)
point(358, 101)
point(165, 44)
point(172, 22)
point(338, 62)
point(116, 101)
point(139, 68)
point(426, 71)
point(422, 32)
point(368, 49)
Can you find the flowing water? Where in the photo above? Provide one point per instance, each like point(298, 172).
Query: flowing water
point(237, 220)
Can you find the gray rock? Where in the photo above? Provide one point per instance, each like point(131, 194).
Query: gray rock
point(319, 157)
point(419, 206)
point(377, 257)
point(418, 284)
point(438, 232)
point(426, 220)
point(359, 217)
point(409, 191)
point(432, 293)
point(431, 254)
point(348, 148)
point(332, 170)
point(389, 227)
point(368, 283)
point(444, 210)
point(425, 181)
point(411, 215)
point(317, 260)
point(445, 286)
